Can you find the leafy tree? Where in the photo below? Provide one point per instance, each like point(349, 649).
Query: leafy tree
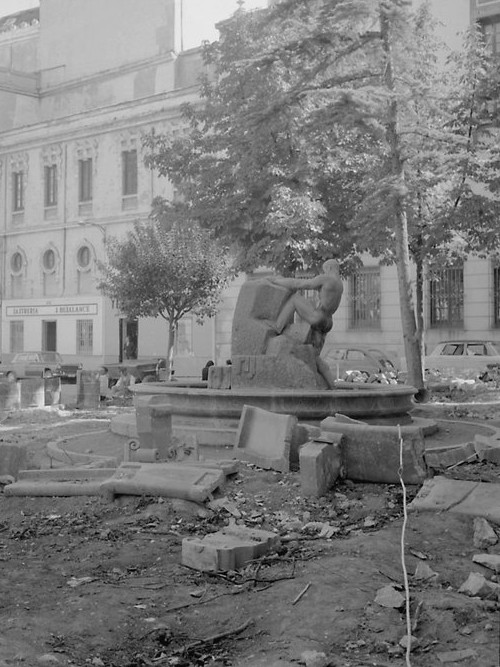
point(330, 127)
point(166, 268)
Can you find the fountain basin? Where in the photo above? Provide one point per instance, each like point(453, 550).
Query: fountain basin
point(307, 405)
point(212, 415)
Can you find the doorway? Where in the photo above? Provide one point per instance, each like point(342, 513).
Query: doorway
point(49, 335)
point(128, 336)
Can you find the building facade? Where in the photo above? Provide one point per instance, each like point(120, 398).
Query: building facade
point(80, 84)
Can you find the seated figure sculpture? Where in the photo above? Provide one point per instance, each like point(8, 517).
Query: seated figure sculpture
point(269, 349)
point(319, 318)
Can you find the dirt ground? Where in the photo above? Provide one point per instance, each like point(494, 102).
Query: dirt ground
point(87, 583)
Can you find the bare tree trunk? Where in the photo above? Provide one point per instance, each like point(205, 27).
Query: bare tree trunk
point(170, 348)
point(408, 320)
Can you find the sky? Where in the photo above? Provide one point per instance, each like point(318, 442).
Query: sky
point(200, 15)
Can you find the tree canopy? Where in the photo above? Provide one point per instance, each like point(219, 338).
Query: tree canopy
point(334, 127)
point(167, 268)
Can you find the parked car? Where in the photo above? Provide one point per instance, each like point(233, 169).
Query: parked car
point(39, 364)
point(358, 358)
point(145, 369)
point(456, 356)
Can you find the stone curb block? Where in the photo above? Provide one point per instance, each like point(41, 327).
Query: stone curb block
point(372, 453)
point(228, 549)
point(320, 466)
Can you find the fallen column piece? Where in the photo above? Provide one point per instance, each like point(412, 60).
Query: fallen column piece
point(372, 453)
point(228, 549)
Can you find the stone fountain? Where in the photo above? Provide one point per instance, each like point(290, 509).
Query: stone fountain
point(277, 373)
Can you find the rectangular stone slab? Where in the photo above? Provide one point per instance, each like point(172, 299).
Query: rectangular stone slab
point(459, 496)
point(264, 438)
point(163, 479)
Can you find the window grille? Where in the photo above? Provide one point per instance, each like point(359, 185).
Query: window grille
point(85, 180)
point(84, 336)
point(18, 191)
point(129, 172)
point(364, 298)
point(17, 336)
point(51, 185)
point(446, 297)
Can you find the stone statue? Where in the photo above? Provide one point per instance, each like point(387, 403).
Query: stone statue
point(268, 348)
point(330, 289)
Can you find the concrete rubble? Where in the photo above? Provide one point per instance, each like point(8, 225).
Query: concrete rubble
point(231, 548)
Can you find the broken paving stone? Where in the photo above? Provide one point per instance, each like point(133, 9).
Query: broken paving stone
point(484, 535)
point(455, 656)
point(424, 573)
point(388, 596)
point(231, 548)
point(492, 561)
point(478, 586)
point(314, 659)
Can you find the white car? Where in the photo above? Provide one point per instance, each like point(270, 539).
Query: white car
point(457, 356)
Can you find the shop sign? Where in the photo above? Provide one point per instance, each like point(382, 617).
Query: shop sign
point(52, 309)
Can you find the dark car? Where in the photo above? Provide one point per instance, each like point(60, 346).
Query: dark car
point(39, 364)
point(146, 369)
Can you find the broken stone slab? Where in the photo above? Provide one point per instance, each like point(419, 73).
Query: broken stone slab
point(372, 453)
point(477, 586)
point(59, 482)
point(459, 496)
point(424, 572)
point(13, 457)
point(488, 448)
point(484, 535)
point(231, 548)
point(320, 466)
point(491, 561)
point(446, 657)
point(163, 479)
point(450, 456)
point(389, 597)
point(264, 438)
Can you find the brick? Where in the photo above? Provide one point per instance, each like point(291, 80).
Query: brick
point(264, 438)
point(13, 457)
point(320, 467)
point(372, 453)
point(228, 549)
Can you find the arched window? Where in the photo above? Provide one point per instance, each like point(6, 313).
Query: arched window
point(16, 263)
point(49, 261)
point(83, 258)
